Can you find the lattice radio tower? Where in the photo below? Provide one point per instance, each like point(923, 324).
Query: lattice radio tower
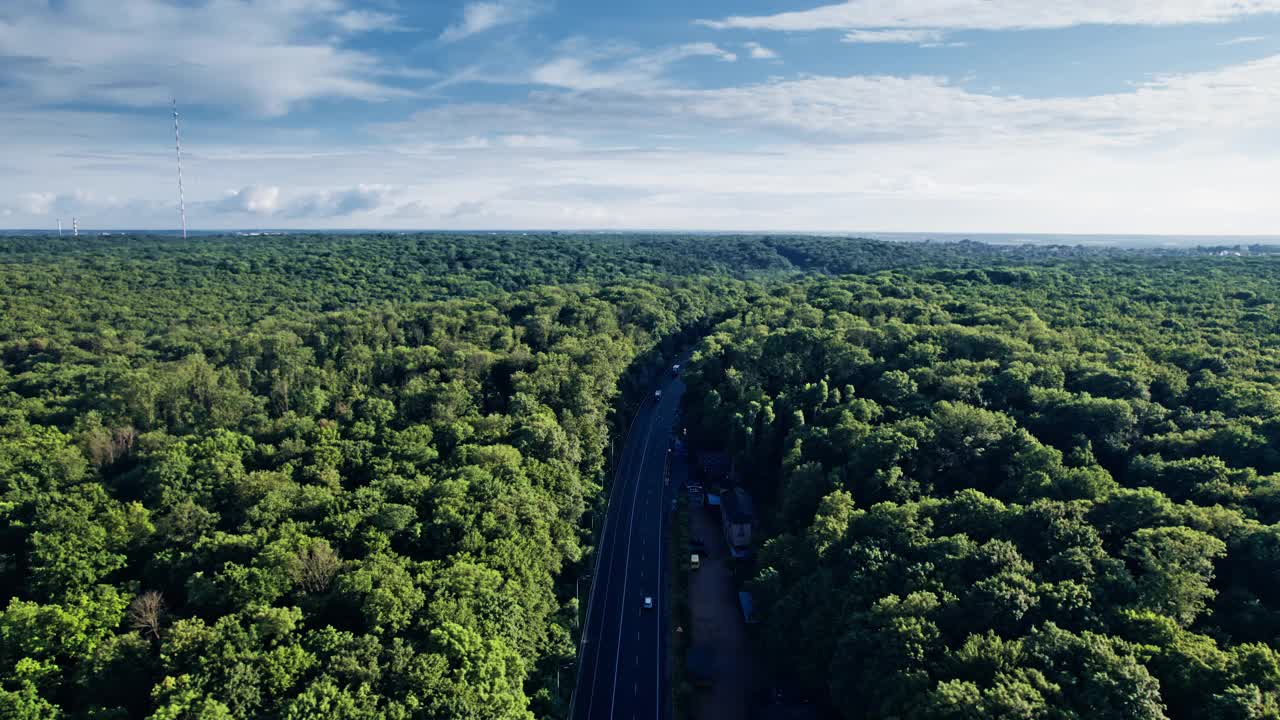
point(177, 143)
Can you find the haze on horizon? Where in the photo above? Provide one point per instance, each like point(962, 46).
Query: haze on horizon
point(1101, 116)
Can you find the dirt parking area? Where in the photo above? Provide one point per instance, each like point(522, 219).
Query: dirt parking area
point(717, 623)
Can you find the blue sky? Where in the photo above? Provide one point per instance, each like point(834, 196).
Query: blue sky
point(1104, 116)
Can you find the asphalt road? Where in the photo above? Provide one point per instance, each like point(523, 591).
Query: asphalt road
point(624, 650)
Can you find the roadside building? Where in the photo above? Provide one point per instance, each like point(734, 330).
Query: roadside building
point(737, 514)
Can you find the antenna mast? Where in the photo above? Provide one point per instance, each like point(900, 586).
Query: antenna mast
point(59, 227)
point(177, 142)
point(75, 227)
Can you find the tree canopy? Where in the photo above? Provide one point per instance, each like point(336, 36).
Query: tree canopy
point(352, 476)
point(1034, 493)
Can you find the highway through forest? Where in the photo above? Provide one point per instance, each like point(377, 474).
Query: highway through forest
point(623, 655)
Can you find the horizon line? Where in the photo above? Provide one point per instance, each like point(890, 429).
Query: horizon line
point(177, 232)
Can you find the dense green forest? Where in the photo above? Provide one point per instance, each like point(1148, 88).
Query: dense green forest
point(353, 476)
point(1019, 493)
point(238, 483)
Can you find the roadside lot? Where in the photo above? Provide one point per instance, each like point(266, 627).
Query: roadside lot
point(717, 623)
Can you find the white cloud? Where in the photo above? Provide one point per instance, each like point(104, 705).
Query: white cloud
point(270, 201)
point(577, 74)
point(614, 140)
point(759, 52)
point(1241, 97)
point(342, 203)
point(879, 152)
point(69, 203)
point(539, 142)
point(998, 14)
point(1226, 104)
point(620, 67)
point(264, 56)
point(358, 21)
point(902, 37)
point(254, 200)
point(704, 49)
point(36, 203)
point(1245, 40)
point(891, 184)
point(483, 15)
point(469, 208)
point(583, 64)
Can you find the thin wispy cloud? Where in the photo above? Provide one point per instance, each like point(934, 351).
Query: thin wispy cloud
point(484, 15)
point(704, 49)
point(997, 14)
point(874, 108)
point(1245, 40)
point(622, 68)
point(357, 21)
point(897, 37)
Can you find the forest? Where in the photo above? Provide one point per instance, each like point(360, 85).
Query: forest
point(1014, 493)
point(355, 476)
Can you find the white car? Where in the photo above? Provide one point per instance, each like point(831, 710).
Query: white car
point(657, 394)
point(648, 602)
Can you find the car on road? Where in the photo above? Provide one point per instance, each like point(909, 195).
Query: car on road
point(657, 394)
point(648, 602)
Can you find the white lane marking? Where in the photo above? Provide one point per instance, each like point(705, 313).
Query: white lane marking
point(605, 562)
point(657, 602)
point(600, 553)
point(626, 571)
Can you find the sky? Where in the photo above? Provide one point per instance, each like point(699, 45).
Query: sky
point(1091, 116)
